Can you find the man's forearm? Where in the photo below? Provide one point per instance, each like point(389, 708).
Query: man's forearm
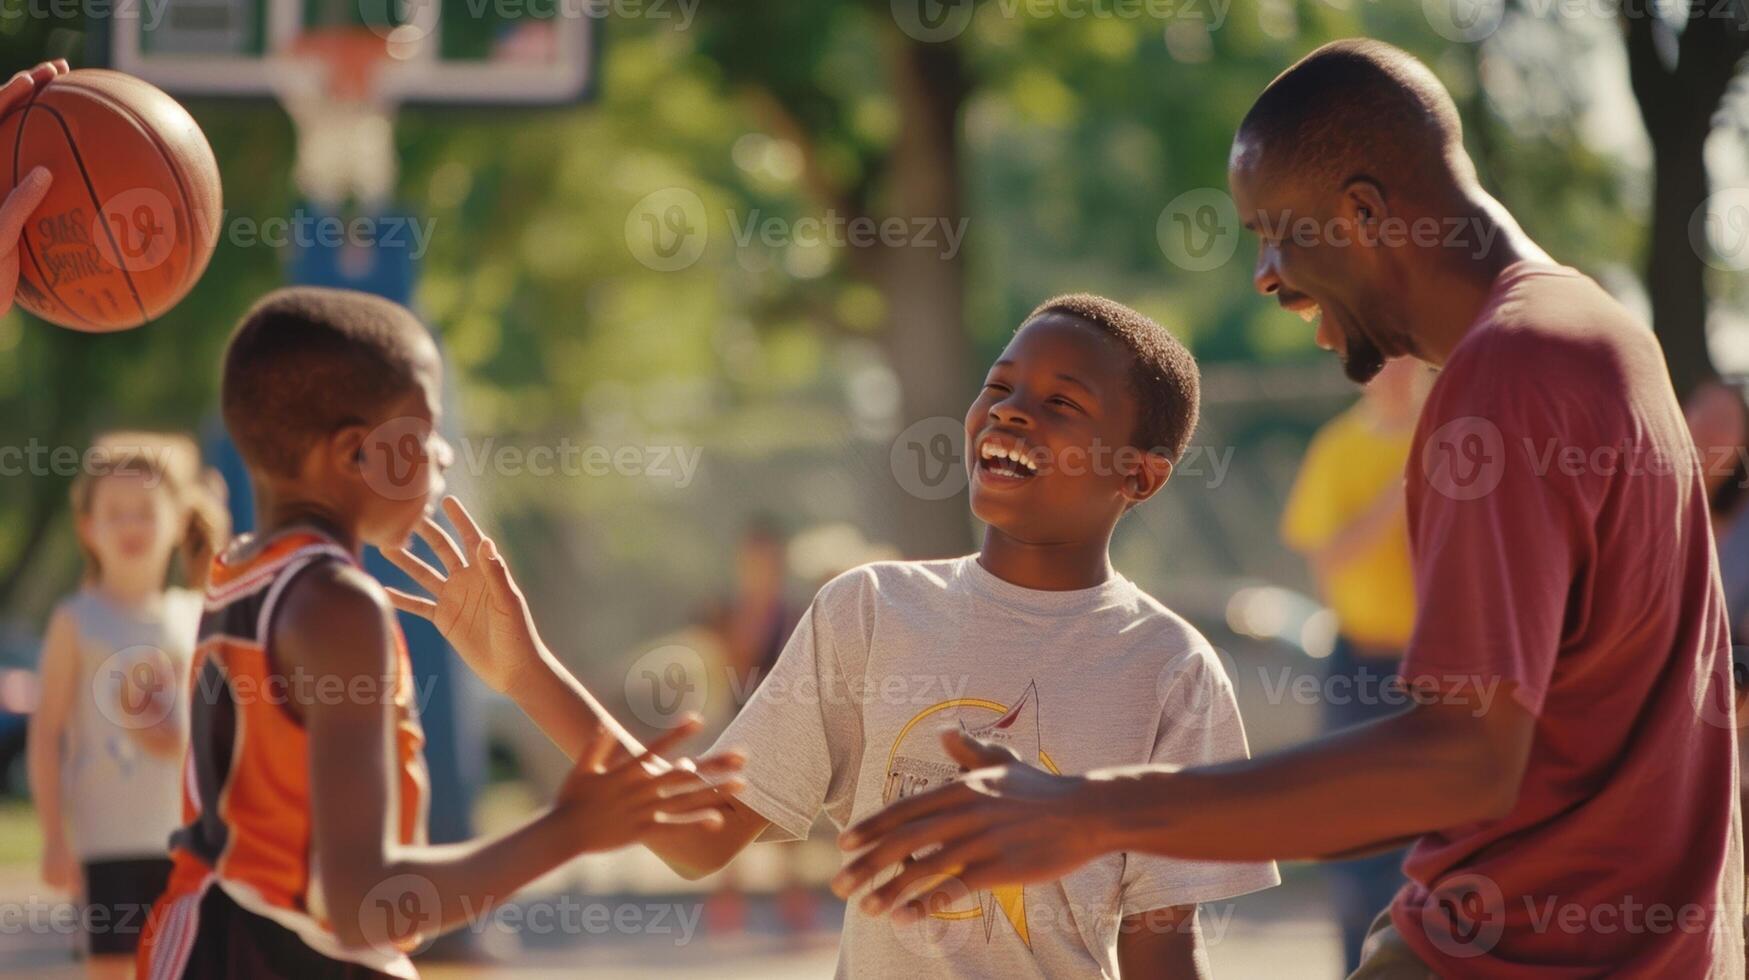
point(1301, 803)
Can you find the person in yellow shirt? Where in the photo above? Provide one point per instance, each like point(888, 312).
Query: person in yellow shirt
point(1345, 515)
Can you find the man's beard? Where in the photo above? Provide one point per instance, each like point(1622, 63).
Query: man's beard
point(1362, 360)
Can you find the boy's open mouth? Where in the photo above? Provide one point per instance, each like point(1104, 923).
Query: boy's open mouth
point(1005, 460)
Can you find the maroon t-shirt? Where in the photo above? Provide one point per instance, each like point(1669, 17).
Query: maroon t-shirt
point(1563, 558)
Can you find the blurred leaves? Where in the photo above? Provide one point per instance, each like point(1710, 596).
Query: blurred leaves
point(1076, 133)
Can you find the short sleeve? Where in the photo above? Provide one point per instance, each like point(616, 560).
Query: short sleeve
point(1499, 492)
point(1199, 726)
point(1313, 513)
point(801, 732)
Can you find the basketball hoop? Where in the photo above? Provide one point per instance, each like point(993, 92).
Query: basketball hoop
point(331, 86)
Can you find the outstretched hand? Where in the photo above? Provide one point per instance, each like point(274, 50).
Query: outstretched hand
point(474, 602)
point(1003, 823)
point(28, 195)
point(615, 804)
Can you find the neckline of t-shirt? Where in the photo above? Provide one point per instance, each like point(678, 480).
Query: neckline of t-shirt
point(1042, 602)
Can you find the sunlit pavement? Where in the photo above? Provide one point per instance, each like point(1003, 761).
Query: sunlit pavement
point(1280, 933)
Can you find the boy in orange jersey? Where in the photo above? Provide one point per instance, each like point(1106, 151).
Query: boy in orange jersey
point(303, 851)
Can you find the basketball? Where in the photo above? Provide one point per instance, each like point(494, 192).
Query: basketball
point(133, 214)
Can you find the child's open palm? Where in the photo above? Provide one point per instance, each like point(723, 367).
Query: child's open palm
point(474, 602)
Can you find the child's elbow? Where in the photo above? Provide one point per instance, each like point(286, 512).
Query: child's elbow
point(692, 869)
point(347, 928)
point(358, 924)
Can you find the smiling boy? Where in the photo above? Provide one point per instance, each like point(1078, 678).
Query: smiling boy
point(1051, 653)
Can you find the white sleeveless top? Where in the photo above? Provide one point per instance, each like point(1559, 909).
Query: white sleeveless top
point(121, 801)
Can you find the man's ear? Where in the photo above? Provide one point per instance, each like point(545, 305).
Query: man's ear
point(1147, 475)
point(1363, 203)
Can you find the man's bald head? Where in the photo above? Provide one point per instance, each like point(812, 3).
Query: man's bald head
point(1356, 108)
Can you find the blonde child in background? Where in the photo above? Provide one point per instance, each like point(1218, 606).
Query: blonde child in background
point(107, 738)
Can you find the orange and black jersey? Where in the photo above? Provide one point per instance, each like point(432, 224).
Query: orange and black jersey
point(246, 778)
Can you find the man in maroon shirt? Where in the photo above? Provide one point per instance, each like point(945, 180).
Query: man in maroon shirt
point(1567, 771)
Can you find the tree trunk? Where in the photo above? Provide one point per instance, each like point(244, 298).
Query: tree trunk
point(1677, 103)
point(923, 283)
point(1675, 271)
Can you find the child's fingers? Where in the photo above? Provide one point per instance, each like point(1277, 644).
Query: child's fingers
point(498, 572)
point(671, 783)
point(704, 819)
point(428, 578)
point(440, 542)
point(658, 749)
point(600, 747)
point(689, 806)
point(720, 764)
point(421, 607)
point(464, 523)
point(685, 777)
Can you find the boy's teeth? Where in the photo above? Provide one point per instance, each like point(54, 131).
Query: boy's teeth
point(1009, 461)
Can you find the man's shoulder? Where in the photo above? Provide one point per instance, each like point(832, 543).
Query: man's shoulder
point(1556, 325)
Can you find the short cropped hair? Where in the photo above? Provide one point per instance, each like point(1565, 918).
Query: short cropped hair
point(1163, 374)
point(1356, 107)
point(306, 362)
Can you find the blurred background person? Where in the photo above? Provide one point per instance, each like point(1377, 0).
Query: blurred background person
point(1718, 420)
point(757, 617)
point(1345, 514)
point(107, 738)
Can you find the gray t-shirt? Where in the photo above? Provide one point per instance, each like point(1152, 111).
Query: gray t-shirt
point(122, 801)
point(891, 653)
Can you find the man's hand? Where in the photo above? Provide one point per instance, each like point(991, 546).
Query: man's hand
point(1003, 823)
point(475, 603)
point(28, 195)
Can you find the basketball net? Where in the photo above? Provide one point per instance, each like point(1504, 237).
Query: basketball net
point(344, 120)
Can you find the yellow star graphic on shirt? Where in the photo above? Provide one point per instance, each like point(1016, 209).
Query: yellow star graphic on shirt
point(1016, 726)
point(1010, 900)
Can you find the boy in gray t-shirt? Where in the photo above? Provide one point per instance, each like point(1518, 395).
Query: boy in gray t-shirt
point(1034, 644)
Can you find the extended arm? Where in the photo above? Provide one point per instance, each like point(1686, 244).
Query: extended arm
point(1449, 759)
point(479, 608)
point(335, 623)
point(58, 678)
point(1163, 943)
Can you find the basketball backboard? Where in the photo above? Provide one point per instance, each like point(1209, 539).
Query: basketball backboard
point(439, 52)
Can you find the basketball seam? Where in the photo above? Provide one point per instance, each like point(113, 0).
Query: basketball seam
point(24, 240)
point(97, 208)
point(171, 164)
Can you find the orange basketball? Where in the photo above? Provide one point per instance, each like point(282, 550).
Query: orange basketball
point(133, 215)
